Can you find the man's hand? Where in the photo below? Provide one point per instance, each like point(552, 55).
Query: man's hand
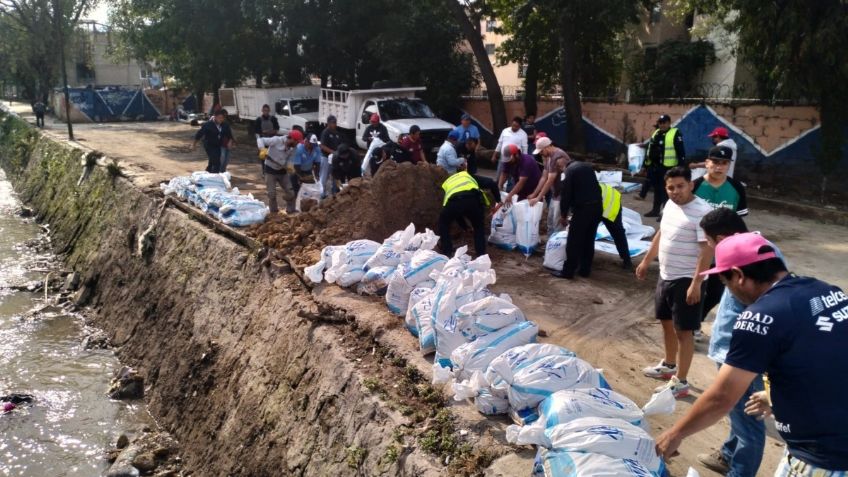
point(696, 165)
point(533, 201)
point(758, 405)
point(667, 444)
point(693, 294)
point(642, 270)
point(494, 157)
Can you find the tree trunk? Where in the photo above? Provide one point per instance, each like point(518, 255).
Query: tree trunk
point(472, 35)
point(571, 92)
point(531, 82)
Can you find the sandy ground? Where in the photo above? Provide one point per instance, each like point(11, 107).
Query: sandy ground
point(607, 319)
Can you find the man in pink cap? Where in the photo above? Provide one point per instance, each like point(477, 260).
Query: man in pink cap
point(794, 330)
point(720, 138)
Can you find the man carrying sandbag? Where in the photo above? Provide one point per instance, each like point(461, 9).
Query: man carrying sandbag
point(278, 163)
point(463, 200)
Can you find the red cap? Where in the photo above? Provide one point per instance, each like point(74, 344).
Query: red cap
point(739, 250)
point(296, 135)
point(720, 132)
point(541, 134)
point(375, 118)
point(513, 150)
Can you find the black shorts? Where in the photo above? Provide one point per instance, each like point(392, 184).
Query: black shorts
point(670, 302)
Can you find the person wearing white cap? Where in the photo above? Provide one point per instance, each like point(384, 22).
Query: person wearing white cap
point(551, 153)
point(794, 330)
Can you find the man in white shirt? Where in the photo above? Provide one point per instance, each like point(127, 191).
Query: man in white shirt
point(277, 165)
point(514, 134)
point(720, 137)
point(681, 245)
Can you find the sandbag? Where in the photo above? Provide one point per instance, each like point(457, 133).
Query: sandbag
point(422, 264)
point(553, 218)
point(560, 463)
point(476, 355)
point(528, 374)
point(570, 404)
point(635, 157)
point(390, 252)
point(420, 292)
point(527, 219)
point(488, 315)
point(398, 290)
point(375, 281)
point(349, 261)
point(502, 231)
point(307, 192)
point(488, 404)
point(606, 436)
point(555, 250)
point(315, 273)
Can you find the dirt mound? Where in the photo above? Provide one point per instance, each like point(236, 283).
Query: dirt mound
point(366, 208)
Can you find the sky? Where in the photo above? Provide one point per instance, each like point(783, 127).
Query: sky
point(99, 14)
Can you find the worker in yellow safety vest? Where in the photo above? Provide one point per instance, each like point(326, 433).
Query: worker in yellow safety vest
point(665, 150)
point(463, 200)
point(613, 221)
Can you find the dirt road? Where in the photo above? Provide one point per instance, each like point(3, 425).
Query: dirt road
point(606, 319)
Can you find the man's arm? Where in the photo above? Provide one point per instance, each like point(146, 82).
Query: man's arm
point(453, 159)
point(515, 189)
point(653, 251)
point(199, 134)
point(742, 206)
point(705, 258)
point(275, 124)
point(498, 148)
point(523, 145)
point(542, 188)
point(384, 133)
point(715, 403)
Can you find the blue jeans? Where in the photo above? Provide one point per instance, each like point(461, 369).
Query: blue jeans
point(225, 158)
point(743, 449)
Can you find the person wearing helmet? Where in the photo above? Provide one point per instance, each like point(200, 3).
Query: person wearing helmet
point(375, 129)
point(278, 163)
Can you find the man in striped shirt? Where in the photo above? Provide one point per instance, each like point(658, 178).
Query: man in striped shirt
point(683, 254)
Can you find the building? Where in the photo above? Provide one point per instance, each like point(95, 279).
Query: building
point(511, 75)
point(90, 63)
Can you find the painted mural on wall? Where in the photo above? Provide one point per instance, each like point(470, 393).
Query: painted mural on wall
point(695, 124)
point(111, 104)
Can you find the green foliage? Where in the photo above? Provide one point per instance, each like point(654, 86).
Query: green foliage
point(355, 456)
point(670, 70)
point(17, 141)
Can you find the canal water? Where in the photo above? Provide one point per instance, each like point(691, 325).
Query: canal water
point(71, 422)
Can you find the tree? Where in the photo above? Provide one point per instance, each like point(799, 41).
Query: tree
point(586, 45)
point(468, 15)
point(797, 49)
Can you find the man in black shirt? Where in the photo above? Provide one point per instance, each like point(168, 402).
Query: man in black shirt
point(213, 133)
point(375, 129)
point(266, 125)
point(581, 194)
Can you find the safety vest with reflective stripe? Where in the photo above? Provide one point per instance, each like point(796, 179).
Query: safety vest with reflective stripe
point(612, 202)
point(460, 182)
point(669, 152)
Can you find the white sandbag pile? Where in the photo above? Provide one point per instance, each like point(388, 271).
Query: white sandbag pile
point(213, 194)
point(485, 346)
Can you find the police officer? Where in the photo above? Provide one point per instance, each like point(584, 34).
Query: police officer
point(463, 200)
point(611, 217)
point(665, 150)
point(580, 193)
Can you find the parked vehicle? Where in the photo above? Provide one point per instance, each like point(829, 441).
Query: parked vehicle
point(296, 107)
point(398, 109)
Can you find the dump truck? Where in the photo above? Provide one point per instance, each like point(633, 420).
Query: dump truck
point(296, 107)
point(398, 108)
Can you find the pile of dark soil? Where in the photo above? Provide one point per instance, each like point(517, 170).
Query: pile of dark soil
point(366, 209)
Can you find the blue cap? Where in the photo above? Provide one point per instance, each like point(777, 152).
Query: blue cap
point(465, 116)
point(454, 134)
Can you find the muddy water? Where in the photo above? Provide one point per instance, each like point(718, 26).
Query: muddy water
point(71, 422)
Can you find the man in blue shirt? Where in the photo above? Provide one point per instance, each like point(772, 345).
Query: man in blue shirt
point(466, 131)
point(742, 452)
point(795, 329)
point(447, 157)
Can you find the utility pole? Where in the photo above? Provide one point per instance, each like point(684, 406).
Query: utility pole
point(57, 18)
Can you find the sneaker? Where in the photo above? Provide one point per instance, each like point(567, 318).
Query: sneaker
point(699, 336)
point(714, 462)
point(660, 371)
point(678, 388)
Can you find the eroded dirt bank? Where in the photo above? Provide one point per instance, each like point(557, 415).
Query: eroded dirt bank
point(243, 365)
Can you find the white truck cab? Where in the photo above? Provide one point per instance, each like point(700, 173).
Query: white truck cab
point(398, 109)
point(298, 113)
point(294, 106)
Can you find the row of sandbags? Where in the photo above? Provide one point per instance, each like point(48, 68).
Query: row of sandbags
point(485, 346)
point(213, 194)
